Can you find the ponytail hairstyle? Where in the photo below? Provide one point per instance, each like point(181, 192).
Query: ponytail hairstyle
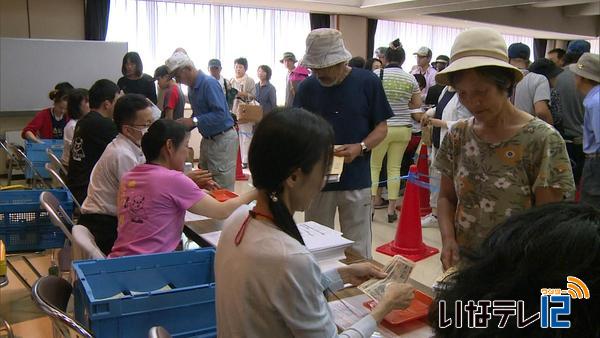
point(284, 141)
point(60, 92)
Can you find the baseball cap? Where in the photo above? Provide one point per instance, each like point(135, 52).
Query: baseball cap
point(588, 67)
point(161, 71)
point(578, 47)
point(212, 63)
point(325, 48)
point(178, 60)
point(519, 51)
point(442, 59)
point(288, 55)
point(423, 51)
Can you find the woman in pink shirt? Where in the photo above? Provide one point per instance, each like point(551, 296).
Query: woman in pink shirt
point(153, 197)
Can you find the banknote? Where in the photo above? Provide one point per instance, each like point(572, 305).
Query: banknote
point(398, 270)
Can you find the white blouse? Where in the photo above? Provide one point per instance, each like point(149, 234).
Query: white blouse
point(271, 286)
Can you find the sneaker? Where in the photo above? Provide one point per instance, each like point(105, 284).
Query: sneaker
point(429, 221)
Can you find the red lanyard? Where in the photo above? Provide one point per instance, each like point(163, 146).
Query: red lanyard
point(251, 214)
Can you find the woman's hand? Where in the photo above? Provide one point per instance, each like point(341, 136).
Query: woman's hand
point(359, 273)
point(396, 296)
point(203, 178)
point(438, 123)
point(450, 253)
point(425, 120)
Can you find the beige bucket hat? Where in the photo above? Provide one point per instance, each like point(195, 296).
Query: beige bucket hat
point(588, 67)
point(477, 47)
point(325, 48)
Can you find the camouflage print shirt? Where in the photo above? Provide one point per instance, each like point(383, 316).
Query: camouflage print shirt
point(493, 181)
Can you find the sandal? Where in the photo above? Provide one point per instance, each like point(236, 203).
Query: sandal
point(382, 205)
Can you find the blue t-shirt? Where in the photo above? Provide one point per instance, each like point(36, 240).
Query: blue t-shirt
point(354, 108)
point(209, 106)
point(591, 122)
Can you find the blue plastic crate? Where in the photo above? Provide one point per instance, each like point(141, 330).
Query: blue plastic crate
point(25, 226)
point(36, 152)
point(186, 309)
point(32, 238)
point(41, 169)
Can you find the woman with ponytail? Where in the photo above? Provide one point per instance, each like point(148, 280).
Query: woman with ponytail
point(49, 123)
point(268, 283)
point(153, 197)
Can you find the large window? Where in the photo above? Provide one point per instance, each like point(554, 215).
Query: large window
point(439, 39)
point(155, 29)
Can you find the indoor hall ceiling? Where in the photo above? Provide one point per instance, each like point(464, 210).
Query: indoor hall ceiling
point(560, 19)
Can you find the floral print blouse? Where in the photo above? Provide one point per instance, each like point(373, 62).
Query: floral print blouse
point(494, 181)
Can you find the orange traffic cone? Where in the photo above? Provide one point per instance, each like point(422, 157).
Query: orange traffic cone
point(423, 170)
point(409, 239)
point(239, 173)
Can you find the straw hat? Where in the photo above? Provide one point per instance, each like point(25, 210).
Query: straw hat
point(325, 48)
point(477, 47)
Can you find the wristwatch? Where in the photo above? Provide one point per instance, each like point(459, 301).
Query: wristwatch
point(363, 148)
point(195, 120)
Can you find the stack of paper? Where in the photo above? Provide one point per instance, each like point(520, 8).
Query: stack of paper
point(326, 244)
point(191, 217)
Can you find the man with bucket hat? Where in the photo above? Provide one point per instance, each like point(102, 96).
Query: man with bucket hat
point(587, 80)
point(352, 100)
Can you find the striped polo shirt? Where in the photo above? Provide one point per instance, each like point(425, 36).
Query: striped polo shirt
point(399, 86)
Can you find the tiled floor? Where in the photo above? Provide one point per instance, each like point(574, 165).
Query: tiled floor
point(27, 321)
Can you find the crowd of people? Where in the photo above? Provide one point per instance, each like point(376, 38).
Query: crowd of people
point(507, 136)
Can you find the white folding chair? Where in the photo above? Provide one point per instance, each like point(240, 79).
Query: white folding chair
point(84, 246)
point(62, 183)
point(58, 216)
point(56, 163)
point(158, 332)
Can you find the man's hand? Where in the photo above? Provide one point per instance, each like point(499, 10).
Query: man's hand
point(187, 122)
point(203, 178)
point(348, 151)
point(357, 274)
